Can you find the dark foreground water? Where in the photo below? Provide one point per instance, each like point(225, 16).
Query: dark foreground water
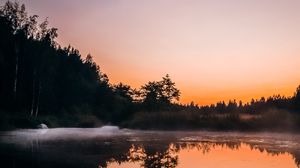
point(113, 148)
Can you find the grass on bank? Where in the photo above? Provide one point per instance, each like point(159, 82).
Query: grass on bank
point(270, 120)
point(10, 122)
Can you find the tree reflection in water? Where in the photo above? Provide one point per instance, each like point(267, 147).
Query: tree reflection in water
point(160, 156)
point(154, 158)
point(153, 150)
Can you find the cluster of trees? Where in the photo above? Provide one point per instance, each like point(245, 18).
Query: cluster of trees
point(39, 77)
point(255, 106)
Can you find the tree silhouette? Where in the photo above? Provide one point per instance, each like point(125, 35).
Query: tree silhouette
point(296, 99)
point(41, 78)
point(159, 93)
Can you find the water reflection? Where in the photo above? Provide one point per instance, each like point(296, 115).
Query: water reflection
point(151, 150)
point(205, 154)
point(150, 157)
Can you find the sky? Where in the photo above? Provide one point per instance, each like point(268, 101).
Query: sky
point(213, 50)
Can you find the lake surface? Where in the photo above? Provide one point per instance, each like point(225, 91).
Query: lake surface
point(114, 148)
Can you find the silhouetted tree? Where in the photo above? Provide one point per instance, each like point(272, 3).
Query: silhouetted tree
point(124, 91)
point(39, 77)
point(296, 100)
point(157, 94)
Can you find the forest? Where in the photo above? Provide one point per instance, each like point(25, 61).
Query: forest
point(43, 82)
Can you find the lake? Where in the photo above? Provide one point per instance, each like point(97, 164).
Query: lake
point(123, 148)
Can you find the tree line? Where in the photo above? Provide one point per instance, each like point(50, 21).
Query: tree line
point(255, 106)
point(40, 77)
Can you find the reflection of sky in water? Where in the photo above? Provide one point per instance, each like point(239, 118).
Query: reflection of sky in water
point(209, 155)
point(113, 148)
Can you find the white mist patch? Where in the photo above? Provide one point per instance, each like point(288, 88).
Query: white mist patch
point(24, 136)
point(109, 129)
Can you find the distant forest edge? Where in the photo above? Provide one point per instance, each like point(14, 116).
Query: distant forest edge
point(42, 82)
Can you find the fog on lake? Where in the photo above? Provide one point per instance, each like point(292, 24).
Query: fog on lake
point(113, 148)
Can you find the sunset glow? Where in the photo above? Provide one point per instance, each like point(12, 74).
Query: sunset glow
point(214, 50)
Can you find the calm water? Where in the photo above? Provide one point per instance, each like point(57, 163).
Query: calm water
point(114, 148)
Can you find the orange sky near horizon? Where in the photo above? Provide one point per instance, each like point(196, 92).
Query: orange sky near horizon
point(213, 49)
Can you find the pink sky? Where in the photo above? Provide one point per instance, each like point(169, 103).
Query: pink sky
point(214, 50)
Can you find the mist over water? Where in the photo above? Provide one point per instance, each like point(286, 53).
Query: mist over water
point(112, 147)
point(26, 135)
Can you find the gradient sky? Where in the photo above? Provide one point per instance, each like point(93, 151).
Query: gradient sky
point(213, 49)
